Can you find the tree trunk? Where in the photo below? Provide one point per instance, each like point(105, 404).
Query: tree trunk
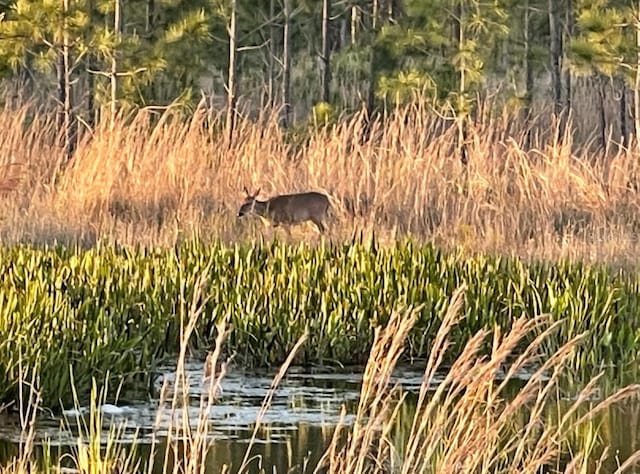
point(271, 86)
point(65, 91)
point(528, 74)
point(636, 90)
point(342, 42)
point(61, 88)
point(91, 66)
point(117, 29)
point(373, 76)
point(624, 128)
point(355, 20)
point(555, 52)
point(375, 13)
point(148, 27)
point(231, 83)
point(461, 112)
point(383, 11)
point(286, 65)
point(396, 10)
point(326, 50)
point(569, 23)
point(602, 117)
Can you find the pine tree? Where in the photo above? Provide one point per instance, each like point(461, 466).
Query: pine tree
point(46, 38)
point(603, 50)
point(440, 52)
point(131, 53)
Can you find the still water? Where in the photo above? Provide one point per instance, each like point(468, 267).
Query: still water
point(296, 429)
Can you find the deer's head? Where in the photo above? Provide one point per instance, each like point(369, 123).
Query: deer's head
point(249, 203)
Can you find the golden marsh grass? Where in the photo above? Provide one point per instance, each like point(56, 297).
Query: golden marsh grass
point(154, 179)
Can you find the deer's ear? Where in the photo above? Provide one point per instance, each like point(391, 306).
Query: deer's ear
point(257, 193)
point(246, 191)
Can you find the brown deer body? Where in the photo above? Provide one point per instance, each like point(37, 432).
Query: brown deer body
point(288, 209)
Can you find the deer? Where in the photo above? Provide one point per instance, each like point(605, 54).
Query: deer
point(288, 209)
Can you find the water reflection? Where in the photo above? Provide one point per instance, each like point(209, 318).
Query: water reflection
point(299, 424)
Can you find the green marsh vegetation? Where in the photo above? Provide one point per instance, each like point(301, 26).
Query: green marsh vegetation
point(462, 424)
point(112, 310)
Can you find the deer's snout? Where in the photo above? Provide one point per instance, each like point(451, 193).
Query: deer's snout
point(243, 210)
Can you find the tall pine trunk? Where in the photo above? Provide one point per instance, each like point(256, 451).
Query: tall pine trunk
point(568, 28)
point(326, 50)
point(396, 10)
point(91, 66)
point(355, 21)
point(528, 73)
point(600, 83)
point(231, 82)
point(555, 51)
point(636, 91)
point(117, 29)
point(64, 87)
point(624, 127)
point(150, 17)
point(342, 37)
point(271, 63)
point(286, 65)
point(461, 108)
point(373, 76)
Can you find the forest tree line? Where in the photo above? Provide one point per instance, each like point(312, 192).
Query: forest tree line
point(97, 57)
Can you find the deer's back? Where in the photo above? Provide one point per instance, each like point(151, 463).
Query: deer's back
point(298, 207)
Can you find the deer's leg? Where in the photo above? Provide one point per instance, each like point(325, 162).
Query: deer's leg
point(319, 225)
point(273, 228)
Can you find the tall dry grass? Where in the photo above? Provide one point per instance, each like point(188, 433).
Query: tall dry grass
point(466, 423)
point(154, 179)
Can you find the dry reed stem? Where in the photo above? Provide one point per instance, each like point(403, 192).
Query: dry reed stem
point(466, 424)
point(194, 442)
point(375, 400)
point(269, 397)
point(24, 462)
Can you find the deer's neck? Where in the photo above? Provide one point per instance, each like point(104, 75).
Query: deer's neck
point(260, 208)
